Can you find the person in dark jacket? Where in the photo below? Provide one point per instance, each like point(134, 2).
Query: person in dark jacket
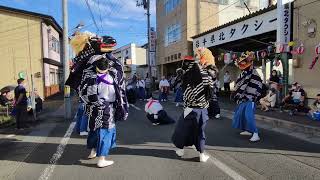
point(21, 103)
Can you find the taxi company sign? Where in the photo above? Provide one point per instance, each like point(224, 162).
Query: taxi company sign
point(254, 26)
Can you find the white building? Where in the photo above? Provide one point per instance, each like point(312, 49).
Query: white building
point(132, 56)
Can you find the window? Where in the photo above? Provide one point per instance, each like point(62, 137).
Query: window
point(179, 55)
point(173, 34)
point(170, 5)
point(55, 45)
point(175, 56)
point(54, 76)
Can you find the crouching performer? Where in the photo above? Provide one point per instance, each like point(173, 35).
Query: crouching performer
point(156, 114)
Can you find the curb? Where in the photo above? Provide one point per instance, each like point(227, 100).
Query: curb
point(300, 131)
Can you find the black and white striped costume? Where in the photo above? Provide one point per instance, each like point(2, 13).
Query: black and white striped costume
point(248, 86)
point(103, 114)
point(196, 86)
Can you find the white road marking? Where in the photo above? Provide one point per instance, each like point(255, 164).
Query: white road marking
point(233, 174)
point(134, 106)
point(57, 155)
point(10, 135)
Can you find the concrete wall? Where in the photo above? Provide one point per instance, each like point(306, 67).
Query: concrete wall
point(18, 34)
point(306, 10)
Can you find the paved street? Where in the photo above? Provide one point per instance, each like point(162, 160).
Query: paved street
point(145, 152)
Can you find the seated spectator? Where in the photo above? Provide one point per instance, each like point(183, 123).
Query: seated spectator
point(156, 114)
point(269, 100)
point(315, 107)
point(3, 99)
point(295, 100)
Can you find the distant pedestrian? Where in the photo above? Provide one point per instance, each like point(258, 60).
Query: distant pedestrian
point(21, 103)
point(164, 89)
point(227, 81)
point(177, 86)
point(148, 86)
point(141, 85)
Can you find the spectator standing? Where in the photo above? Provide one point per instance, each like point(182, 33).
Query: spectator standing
point(21, 103)
point(227, 81)
point(148, 86)
point(164, 88)
point(141, 85)
point(274, 82)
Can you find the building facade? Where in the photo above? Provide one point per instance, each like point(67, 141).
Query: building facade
point(179, 20)
point(30, 45)
point(306, 23)
point(133, 58)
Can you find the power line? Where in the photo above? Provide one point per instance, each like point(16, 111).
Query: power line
point(92, 16)
point(100, 14)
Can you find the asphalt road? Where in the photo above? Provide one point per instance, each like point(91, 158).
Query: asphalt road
point(145, 152)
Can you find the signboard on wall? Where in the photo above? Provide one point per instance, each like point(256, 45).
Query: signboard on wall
point(251, 27)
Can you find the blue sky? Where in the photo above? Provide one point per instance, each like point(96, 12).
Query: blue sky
point(119, 18)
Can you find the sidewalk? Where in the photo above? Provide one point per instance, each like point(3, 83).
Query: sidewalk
point(53, 110)
point(298, 126)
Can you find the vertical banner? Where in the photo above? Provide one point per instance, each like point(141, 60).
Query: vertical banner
point(283, 26)
point(153, 37)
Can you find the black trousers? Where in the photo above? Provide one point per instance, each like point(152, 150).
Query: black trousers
point(163, 118)
point(21, 115)
point(214, 108)
point(227, 87)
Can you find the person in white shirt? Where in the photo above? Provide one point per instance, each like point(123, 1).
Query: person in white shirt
point(156, 114)
point(164, 89)
point(227, 81)
point(269, 100)
point(141, 85)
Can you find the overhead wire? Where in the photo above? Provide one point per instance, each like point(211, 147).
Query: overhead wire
point(91, 13)
point(100, 16)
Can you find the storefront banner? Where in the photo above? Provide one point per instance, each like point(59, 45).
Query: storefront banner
point(260, 24)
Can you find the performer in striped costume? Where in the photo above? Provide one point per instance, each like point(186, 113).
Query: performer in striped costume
point(190, 129)
point(247, 91)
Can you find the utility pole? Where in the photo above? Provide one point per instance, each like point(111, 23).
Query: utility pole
point(67, 99)
point(146, 6)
